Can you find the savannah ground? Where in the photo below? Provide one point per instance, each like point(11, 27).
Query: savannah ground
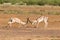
point(52, 32)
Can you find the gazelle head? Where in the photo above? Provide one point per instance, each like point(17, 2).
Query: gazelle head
point(10, 21)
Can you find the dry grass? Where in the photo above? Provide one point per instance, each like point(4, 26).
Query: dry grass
point(54, 10)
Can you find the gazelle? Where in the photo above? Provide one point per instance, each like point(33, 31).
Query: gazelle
point(40, 19)
point(15, 20)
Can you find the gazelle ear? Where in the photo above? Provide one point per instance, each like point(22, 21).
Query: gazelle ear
point(10, 19)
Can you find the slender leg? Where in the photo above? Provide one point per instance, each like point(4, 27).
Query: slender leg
point(46, 23)
point(10, 25)
point(28, 20)
point(37, 24)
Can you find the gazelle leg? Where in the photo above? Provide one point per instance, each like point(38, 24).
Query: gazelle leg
point(37, 24)
point(10, 25)
point(46, 23)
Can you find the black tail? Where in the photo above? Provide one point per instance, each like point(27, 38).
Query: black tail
point(28, 21)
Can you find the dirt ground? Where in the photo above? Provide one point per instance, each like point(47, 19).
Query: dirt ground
point(52, 32)
point(15, 33)
point(53, 20)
